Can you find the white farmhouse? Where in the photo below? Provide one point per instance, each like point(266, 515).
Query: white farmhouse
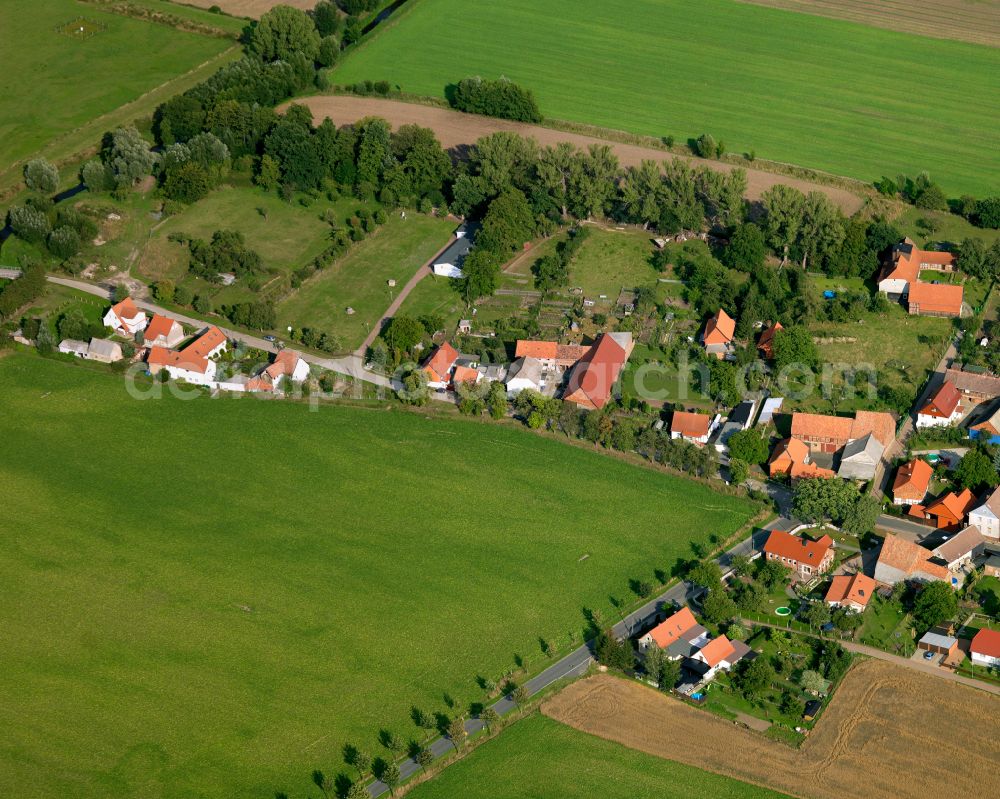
point(987, 516)
point(125, 318)
point(192, 364)
point(524, 373)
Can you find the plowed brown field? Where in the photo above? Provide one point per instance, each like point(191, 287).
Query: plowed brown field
point(976, 21)
point(250, 8)
point(889, 733)
point(454, 129)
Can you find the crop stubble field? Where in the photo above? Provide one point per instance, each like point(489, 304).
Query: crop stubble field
point(208, 598)
point(538, 758)
point(976, 21)
point(829, 94)
point(888, 733)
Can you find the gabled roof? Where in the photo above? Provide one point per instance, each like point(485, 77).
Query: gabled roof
point(592, 379)
point(159, 325)
point(526, 368)
point(985, 384)
point(990, 424)
point(992, 503)
point(952, 504)
point(284, 364)
point(719, 329)
point(867, 448)
point(465, 374)
point(717, 650)
point(986, 642)
point(104, 347)
point(936, 298)
point(792, 448)
point(856, 588)
point(126, 309)
point(912, 480)
point(960, 545)
point(909, 558)
point(907, 260)
point(815, 425)
point(793, 547)
point(766, 341)
point(692, 425)
point(677, 627)
point(194, 357)
point(439, 364)
point(944, 401)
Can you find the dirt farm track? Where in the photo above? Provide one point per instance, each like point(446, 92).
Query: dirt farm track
point(250, 8)
point(888, 733)
point(454, 128)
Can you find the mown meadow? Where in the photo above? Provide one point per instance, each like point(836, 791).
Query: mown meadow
point(823, 93)
point(210, 597)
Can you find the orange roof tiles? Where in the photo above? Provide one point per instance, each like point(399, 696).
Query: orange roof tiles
point(284, 364)
point(439, 365)
point(158, 326)
point(465, 374)
point(592, 379)
point(815, 426)
point(692, 425)
point(986, 642)
point(194, 357)
point(719, 329)
point(907, 261)
point(952, 505)
point(933, 298)
point(944, 401)
point(126, 309)
point(796, 548)
point(909, 558)
point(717, 650)
point(856, 588)
point(912, 480)
point(549, 351)
point(673, 628)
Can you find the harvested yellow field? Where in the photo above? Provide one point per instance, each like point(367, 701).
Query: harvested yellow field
point(250, 8)
point(889, 733)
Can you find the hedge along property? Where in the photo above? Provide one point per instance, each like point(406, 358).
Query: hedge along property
point(836, 96)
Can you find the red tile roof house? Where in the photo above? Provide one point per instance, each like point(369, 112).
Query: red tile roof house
point(287, 363)
point(720, 654)
point(974, 386)
point(718, 334)
point(192, 364)
point(125, 318)
point(791, 457)
point(948, 512)
point(903, 270)
point(550, 353)
point(438, 367)
point(903, 561)
point(592, 380)
point(912, 481)
point(693, 427)
point(680, 635)
point(985, 648)
point(765, 344)
point(163, 332)
point(851, 591)
point(928, 299)
point(831, 433)
point(944, 407)
point(807, 558)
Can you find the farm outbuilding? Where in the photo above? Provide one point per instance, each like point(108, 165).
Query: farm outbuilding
point(939, 644)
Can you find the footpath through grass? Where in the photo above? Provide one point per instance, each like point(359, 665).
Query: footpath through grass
point(539, 757)
point(54, 80)
point(209, 597)
point(821, 93)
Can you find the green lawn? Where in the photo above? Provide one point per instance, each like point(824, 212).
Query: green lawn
point(209, 597)
point(360, 279)
point(52, 83)
point(837, 96)
point(540, 758)
point(610, 260)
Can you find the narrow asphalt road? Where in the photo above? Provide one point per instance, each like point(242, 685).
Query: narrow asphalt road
point(579, 660)
point(419, 275)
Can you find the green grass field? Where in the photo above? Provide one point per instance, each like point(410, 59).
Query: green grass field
point(538, 757)
point(53, 82)
point(360, 279)
point(821, 93)
point(209, 597)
